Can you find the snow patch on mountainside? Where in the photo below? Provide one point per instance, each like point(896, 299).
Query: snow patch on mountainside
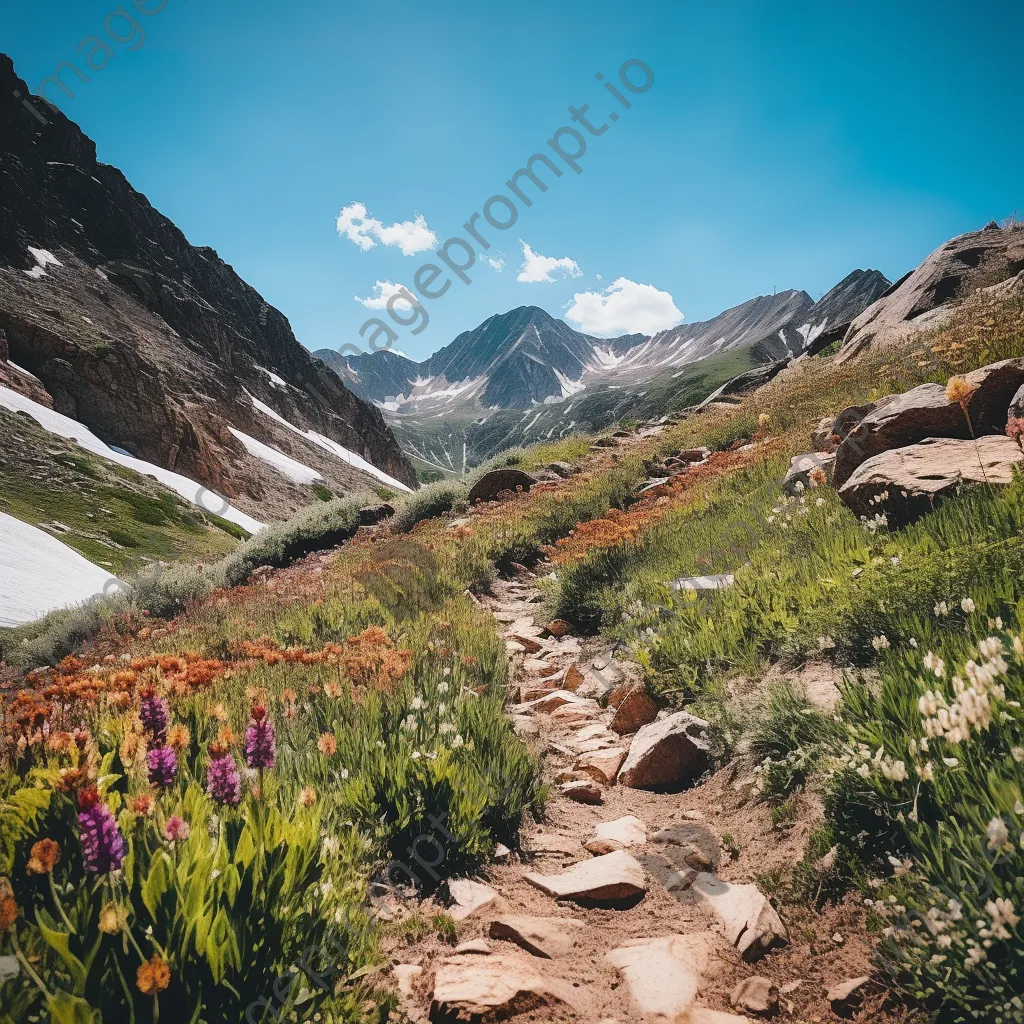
point(284, 464)
point(39, 574)
point(188, 489)
point(332, 446)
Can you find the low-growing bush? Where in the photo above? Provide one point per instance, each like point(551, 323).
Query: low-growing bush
point(428, 502)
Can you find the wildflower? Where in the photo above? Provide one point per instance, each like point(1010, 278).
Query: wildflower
point(826, 643)
point(820, 502)
point(332, 844)
point(8, 907)
point(307, 797)
point(142, 806)
point(260, 740)
point(1003, 917)
point(154, 714)
point(153, 976)
point(997, 834)
point(933, 663)
point(458, 741)
point(327, 744)
point(1017, 753)
point(102, 843)
point(332, 689)
point(990, 647)
point(913, 643)
point(162, 763)
point(176, 830)
point(112, 919)
point(178, 736)
point(43, 857)
point(941, 609)
point(799, 487)
point(967, 605)
point(223, 782)
point(219, 712)
point(763, 419)
point(417, 703)
point(959, 391)
point(881, 643)
point(816, 478)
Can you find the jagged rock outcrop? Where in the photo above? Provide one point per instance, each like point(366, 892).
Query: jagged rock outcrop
point(922, 298)
point(926, 411)
point(158, 346)
point(905, 483)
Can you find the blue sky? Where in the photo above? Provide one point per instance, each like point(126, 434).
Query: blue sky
point(781, 145)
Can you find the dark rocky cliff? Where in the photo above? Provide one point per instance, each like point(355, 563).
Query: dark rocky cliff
point(155, 344)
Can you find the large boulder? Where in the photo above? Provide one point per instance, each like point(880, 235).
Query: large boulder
point(666, 754)
point(923, 298)
point(497, 481)
point(925, 411)
point(905, 483)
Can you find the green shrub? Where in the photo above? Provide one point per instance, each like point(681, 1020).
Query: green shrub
point(427, 503)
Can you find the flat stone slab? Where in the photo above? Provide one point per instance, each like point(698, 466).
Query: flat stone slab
point(664, 975)
point(620, 834)
point(614, 876)
point(602, 765)
point(548, 937)
point(474, 899)
point(748, 919)
point(492, 988)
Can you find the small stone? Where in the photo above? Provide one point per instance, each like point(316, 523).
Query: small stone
point(756, 995)
point(406, 975)
point(478, 947)
point(548, 937)
point(474, 899)
point(588, 792)
point(838, 939)
point(847, 996)
point(572, 678)
point(601, 765)
point(620, 834)
point(669, 752)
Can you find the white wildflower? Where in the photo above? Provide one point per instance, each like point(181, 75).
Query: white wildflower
point(967, 605)
point(997, 834)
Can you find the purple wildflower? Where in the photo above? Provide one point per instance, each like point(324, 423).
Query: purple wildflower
point(260, 741)
point(155, 714)
point(163, 766)
point(101, 839)
point(223, 782)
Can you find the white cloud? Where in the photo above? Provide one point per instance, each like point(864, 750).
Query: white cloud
point(537, 269)
point(411, 236)
point(496, 263)
point(383, 290)
point(624, 307)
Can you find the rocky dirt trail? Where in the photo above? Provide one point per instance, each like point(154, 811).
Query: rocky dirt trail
point(624, 904)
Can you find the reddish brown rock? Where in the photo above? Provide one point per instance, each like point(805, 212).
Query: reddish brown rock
point(671, 752)
point(635, 710)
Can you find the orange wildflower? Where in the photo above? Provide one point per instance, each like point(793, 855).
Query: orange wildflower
point(153, 976)
point(327, 744)
point(43, 857)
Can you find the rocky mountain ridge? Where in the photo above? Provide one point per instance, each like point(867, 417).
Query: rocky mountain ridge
point(156, 345)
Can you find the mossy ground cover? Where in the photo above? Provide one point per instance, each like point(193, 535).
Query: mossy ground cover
point(109, 514)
